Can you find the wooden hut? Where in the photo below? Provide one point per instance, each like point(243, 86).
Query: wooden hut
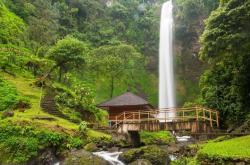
point(125, 103)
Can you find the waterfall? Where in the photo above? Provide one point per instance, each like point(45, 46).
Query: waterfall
point(166, 82)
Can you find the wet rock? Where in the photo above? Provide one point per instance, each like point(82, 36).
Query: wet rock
point(141, 162)
point(46, 157)
point(153, 154)
point(113, 149)
point(82, 157)
point(91, 147)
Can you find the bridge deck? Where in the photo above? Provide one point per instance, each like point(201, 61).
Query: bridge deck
point(195, 119)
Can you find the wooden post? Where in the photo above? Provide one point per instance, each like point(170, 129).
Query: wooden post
point(148, 121)
point(217, 119)
point(197, 113)
point(139, 117)
point(124, 115)
point(116, 122)
point(183, 115)
point(210, 118)
point(204, 114)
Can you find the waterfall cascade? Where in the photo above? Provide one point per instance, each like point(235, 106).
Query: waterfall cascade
point(166, 82)
point(111, 157)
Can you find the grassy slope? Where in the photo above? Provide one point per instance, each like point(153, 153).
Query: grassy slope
point(233, 148)
point(25, 88)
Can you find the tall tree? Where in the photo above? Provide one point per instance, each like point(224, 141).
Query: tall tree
point(115, 62)
point(68, 54)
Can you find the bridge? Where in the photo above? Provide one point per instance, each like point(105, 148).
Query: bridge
point(192, 119)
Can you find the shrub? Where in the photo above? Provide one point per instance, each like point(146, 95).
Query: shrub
point(8, 95)
point(18, 144)
point(161, 137)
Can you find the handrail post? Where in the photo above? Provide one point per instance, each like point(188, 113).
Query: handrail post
point(139, 117)
point(183, 115)
point(204, 114)
point(116, 122)
point(197, 115)
point(210, 118)
point(217, 118)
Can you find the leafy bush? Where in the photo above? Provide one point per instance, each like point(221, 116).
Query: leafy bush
point(80, 98)
point(161, 137)
point(8, 95)
point(19, 144)
point(10, 99)
point(83, 126)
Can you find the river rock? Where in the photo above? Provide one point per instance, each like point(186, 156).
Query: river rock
point(141, 162)
point(46, 157)
point(82, 157)
point(153, 154)
point(91, 147)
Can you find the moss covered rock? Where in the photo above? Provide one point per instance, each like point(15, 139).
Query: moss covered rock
point(91, 147)
point(81, 157)
point(154, 154)
point(141, 162)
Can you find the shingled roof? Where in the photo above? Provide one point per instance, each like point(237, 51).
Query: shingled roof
point(126, 99)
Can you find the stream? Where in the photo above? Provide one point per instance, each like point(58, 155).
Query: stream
point(111, 157)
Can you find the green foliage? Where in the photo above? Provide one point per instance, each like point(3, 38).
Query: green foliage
point(18, 60)
point(185, 161)
point(11, 27)
point(117, 62)
point(21, 143)
point(160, 138)
point(225, 45)
point(232, 149)
point(188, 18)
point(8, 95)
point(83, 126)
point(81, 99)
point(68, 53)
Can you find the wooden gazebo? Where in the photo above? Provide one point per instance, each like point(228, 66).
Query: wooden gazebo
point(127, 102)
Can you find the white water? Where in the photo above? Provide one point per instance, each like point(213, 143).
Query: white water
point(166, 71)
point(183, 138)
point(111, 157)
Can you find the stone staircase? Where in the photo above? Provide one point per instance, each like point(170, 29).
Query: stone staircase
point(48, 105)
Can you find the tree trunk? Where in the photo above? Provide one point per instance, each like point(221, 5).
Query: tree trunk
point(112, 87)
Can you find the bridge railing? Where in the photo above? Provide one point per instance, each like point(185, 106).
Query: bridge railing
point(168, 115)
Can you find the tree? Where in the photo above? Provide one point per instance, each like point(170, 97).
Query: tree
point(68, 54)
point(11, 27)
point(225, 45)
point(116, 62)
point(43, 26)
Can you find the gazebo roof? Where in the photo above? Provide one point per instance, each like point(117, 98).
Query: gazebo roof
point(126, 99)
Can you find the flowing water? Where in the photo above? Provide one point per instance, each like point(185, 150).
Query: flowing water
point(111, 157)
point(166, 71)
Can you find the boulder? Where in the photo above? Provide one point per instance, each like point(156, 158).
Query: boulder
point(153, 154)
point(82, 157)
point(141, 162)
point(91, 147)
point(46, 157)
